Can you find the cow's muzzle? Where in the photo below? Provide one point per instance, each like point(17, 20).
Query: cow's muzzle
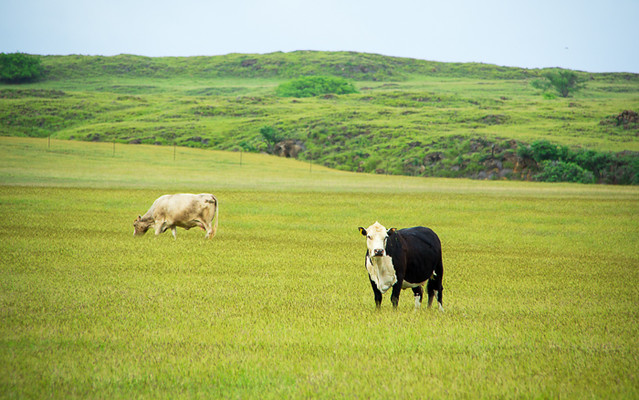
point(378, 252)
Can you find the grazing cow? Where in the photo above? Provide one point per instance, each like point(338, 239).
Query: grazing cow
point(401, 259)
point(184, 210)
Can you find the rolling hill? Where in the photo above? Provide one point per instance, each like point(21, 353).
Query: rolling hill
point(409, 117)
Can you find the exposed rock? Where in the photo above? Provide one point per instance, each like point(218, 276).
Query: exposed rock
point(249, 62)
point(198, 139)
point(628, 119)
point(94, 137)
point(433, 158)
point(289, 148)
point(494, 119)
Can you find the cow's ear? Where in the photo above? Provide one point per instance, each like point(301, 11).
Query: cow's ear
point(362, 231)
point(391, 231)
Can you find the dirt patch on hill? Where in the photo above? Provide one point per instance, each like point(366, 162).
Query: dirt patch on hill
point(627, 119)
point(289, 148)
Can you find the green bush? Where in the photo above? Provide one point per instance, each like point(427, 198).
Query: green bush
point(593, 160)
point(630, 172)
point(19, 67)
point(544, 150)
point(564, 82)
point(557, 163)
point(524, 152)
point(271, 137)
point(310, 86)
point(560, 171)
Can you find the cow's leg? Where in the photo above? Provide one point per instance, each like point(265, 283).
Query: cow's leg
point(174, 232)
point(431, 293)
point(378, 295)
point(435, 289)
point(419, 294)
point(208, 229)
point(397, 289)
point(159, 227)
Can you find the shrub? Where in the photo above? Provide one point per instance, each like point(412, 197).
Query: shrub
point(524, 152)
point(564, 82)
point(593, 160)
point(309, 86)
point(270, 136)
point(19, 67)
point(560, 171)
point(544, 150)
point(628, 173)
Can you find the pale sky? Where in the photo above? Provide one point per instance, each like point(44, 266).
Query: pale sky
point(586, 35)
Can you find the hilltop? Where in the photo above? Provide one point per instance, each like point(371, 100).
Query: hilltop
point(410, 117)
point(351, 65)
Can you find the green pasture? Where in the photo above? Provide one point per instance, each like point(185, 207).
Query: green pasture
point(540, 282)
point(229, 113)
point(408, 117)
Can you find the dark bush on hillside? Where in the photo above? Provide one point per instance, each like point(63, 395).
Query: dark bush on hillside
point(19, 67)
point(270, 136)
point(628, 171)
point(544, 150)
point(593, 160)
point(560, 171)
point(310, 86)
point(525, 152)
point(557, 162)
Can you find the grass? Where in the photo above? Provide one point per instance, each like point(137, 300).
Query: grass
point(404, 111)
point(540, 282)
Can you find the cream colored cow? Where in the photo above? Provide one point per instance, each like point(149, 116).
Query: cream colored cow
point(184, 210)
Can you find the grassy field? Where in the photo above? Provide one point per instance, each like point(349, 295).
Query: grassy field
point(540, 282)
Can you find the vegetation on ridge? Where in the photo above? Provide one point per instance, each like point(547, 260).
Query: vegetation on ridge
point(19, 68)
point(409, 117)
point(310, 86)
point(563, 82)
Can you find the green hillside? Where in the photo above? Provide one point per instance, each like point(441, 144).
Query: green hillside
point(409, 117)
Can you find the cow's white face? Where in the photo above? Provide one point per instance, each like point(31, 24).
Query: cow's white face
point(376, 237)
point(378, 263)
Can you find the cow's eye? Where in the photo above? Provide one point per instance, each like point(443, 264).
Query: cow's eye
point(369, 236)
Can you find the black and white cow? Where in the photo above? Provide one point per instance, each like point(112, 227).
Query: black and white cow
point(401, 259)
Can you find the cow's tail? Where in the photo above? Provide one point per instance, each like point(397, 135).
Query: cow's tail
point(217, 207)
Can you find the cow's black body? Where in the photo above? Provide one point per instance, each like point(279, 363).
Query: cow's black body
point(417, 257)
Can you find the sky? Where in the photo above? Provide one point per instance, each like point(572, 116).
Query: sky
point(585, 35)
